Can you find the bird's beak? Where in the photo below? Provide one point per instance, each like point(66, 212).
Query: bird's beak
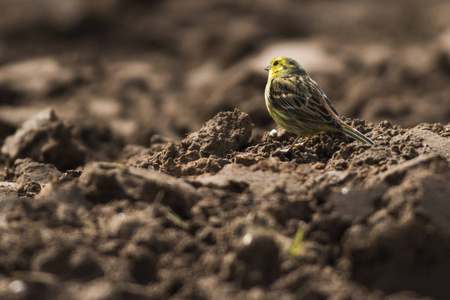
point(267, 68)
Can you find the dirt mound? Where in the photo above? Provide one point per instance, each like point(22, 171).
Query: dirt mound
point(224, 217)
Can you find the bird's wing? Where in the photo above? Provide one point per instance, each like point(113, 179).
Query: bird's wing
point(329, 103)
point(303, 97)
point(286, 94)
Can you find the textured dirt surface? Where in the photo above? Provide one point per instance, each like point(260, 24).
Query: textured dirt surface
point(138, 160)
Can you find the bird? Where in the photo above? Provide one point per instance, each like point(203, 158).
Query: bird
point(298, 104)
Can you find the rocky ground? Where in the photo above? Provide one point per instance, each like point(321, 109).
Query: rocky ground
point(138, 160)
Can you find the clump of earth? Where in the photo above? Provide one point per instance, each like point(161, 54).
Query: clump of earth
point(215, 215)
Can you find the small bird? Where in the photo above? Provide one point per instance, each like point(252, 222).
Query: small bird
point(298, 104)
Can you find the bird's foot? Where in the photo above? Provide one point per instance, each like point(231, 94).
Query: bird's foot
point(291, 147)
point(286, 150)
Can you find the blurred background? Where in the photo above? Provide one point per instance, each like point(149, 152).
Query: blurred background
point(124, 71)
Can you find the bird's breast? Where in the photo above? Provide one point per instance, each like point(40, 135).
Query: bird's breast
point(267, 95)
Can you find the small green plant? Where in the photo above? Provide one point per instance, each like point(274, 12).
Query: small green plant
point(298, 247)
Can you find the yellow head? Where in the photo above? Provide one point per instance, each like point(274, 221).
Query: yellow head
point(284, 66)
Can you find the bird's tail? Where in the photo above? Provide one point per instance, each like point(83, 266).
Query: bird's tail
point(353, 133)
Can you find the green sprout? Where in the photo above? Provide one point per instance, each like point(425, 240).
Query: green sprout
point(298, 247)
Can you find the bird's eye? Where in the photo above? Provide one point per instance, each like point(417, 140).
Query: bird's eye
point(275, 63)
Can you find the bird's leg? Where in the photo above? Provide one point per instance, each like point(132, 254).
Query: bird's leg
point(288, 149)
point(293, 144)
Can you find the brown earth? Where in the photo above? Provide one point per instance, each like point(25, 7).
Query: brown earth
point(138, 162)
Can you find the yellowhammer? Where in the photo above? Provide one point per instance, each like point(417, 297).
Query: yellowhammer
point(298, 105)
